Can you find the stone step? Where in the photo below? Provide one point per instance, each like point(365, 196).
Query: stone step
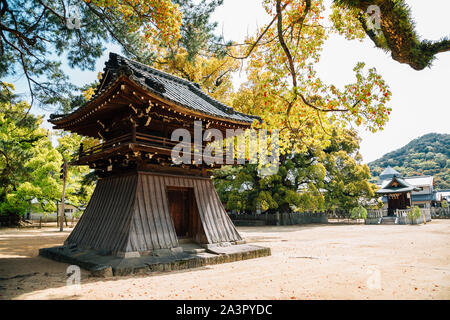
point(194, 251)
point(191, 247)
point(388, 220)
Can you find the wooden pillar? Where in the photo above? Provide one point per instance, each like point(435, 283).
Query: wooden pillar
point(133, 132)
point(165, 133)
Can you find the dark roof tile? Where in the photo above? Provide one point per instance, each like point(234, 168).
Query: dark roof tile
point(168, 86)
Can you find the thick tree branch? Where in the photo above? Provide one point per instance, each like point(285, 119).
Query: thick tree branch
point(397, 32)
point(256, 43)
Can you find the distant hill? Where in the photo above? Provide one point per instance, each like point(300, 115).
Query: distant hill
point(427, 155)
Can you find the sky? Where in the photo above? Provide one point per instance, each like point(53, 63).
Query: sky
point(419, 103)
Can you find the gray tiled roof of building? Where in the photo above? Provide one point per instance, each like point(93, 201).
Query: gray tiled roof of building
point(389, 172)
point(422, 197)
point(177, 90)
point(403, 186)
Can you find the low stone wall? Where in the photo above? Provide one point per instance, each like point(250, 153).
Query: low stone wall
point(425, 215)
point(440, 213)
point(372, 220)
point(278, 219)
point(406, 220)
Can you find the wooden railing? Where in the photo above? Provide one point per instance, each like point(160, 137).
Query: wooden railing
point(377, 213)
point(105, 146)
point(398, 213)
point(140, 138)
point(404, 212)
point(159, 141)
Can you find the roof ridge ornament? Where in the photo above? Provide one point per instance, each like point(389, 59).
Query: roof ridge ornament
point(124, 69)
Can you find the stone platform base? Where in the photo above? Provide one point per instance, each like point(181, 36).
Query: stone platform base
point(108, 265)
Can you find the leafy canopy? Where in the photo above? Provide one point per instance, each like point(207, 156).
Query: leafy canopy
point(29, 164)
point(396, 34)
point(358, 212)
point(198, 55)
point(38, 35)
point(285, 90)
point(315, 180)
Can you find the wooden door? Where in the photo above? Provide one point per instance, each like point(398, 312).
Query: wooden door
point(184, 213)
point(179, 206)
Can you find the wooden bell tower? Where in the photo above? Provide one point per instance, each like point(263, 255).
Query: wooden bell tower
point(143, 201)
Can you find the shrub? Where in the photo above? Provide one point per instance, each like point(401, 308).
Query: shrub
point(358, 212)
point(414, 213)
point(444, 204)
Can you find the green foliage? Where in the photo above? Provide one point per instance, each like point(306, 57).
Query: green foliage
point(347, 182)
point(316, 180)
point(397, 33)
point(414, 213)
point(37, 35)
point(426, 155)
point(79, 185)
point(197, 32)
point(199, 55)
point(29, 164)
point(358, 212)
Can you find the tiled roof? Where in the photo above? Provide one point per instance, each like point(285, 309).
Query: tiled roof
point(417, 181)
point(177, 90)
point(395, 190)
point(420, 180)
point(402, 186)
point(389, 171)
point(422, 197)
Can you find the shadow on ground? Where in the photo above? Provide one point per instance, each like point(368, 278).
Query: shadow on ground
point(23, 271)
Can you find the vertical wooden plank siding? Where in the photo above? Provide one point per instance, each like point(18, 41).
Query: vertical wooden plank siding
point(161, 211)
point(144, 207)
point(165, 214)
point(124, 224)
point(212, 223)
point(173, 235)
point(107, 217)
point(229, 226)
point(151, 210)
point(82, 231)
point(131, 213)
point(221, 225)
point(114, 216)
point(151, 222)
point(203, 216)
point(137, 240)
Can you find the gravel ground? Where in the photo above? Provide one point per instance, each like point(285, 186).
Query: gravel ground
point(308, 262)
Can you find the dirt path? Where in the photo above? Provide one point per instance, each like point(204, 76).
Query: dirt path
point(307, 262)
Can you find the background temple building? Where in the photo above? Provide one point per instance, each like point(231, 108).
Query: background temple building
point(442, 195)
point(421, 188)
